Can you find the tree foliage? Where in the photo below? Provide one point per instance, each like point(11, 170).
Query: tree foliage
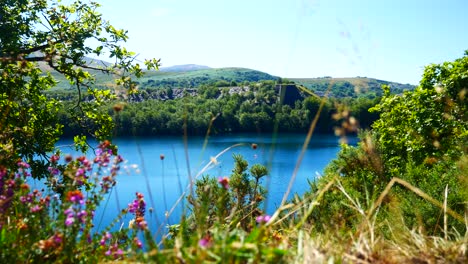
point(38, 38)
point(421, 137)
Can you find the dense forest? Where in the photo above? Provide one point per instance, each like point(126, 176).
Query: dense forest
point(254, 107)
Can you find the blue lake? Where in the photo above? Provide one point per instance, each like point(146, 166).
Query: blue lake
point(163, 182)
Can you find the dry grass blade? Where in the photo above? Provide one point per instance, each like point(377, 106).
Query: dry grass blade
point(416, 191)
point(205, 168)
point(316, 201)
point(305, 145)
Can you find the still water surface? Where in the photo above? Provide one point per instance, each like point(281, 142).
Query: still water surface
point(168, 178)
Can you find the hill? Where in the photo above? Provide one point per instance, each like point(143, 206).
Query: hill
point(183, 68)
point(350, 87)
point(195, 78)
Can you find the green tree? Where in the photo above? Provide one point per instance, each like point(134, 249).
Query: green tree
point(430, 122)
point(421, 137)
point(39, 40)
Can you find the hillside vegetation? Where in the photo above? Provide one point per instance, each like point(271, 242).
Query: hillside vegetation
point(351, 87)
point(193, 76)
point(221, 77)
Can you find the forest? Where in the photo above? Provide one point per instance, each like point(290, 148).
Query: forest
point(253, 108)
point(399, 196)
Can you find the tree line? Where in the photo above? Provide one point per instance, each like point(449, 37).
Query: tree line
point(222, 111)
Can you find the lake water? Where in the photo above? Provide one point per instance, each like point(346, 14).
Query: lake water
point(163, 181)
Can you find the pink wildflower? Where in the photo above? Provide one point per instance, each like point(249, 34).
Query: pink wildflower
point(263, 219)
point(224, 181)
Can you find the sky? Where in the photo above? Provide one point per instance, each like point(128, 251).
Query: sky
point(385, 39)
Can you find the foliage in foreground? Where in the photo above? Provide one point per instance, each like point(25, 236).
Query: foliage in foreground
point(421, 137)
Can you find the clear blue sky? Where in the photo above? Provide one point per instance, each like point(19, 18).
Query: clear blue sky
point(386, 39)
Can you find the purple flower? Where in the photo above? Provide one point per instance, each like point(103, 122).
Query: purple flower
point(75, 196)
point(53, 171)
point(58, 238)
point(205, 242)
point(82, 215)
point(23, 164)
point(138, 242)
point(69, 221)
point(105, 237)
point(80, 172)
point(263, 219)
point(69, 211)
point(35, 209)
point(119, 252)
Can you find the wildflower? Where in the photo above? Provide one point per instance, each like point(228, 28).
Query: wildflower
point(68, 212)
point(117, 253)
point(105, 237)
point(57, 238)
point(141, 223)
point(23, 164)
point(138, 242)
point(205, 242)
point(35, 209)
point(80, 172)
point(224, 181)
point(263, 219)
point(69, 221)
point(138, 206)
point(75, 196)
point(114, 251)
point(54, 158)
point(82, 215)
point(45, 201)
point(53, 171)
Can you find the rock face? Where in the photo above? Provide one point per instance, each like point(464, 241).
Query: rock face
point(288, 94)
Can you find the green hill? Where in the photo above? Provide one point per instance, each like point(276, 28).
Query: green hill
point(350, 87)
point(192, 79)
point(179, 79)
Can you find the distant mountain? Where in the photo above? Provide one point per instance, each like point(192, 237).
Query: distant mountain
point(350, 87)
point(192, 76)
point(184, 68)
point(195, 78)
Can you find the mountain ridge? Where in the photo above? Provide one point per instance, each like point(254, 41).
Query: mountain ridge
point(184, 68)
